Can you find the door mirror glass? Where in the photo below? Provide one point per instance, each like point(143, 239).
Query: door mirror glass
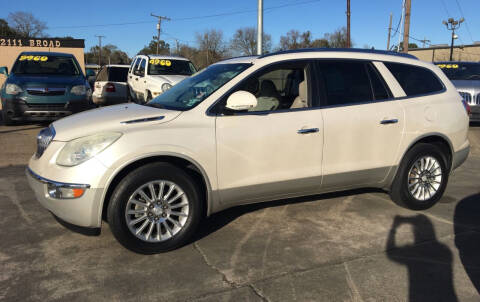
point(241, 101)
point(4, 70)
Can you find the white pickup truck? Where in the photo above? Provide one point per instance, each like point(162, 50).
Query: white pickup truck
point(151, 75)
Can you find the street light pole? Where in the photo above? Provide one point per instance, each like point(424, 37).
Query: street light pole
point(452, 25)
point(348, 24)
point(260, 28)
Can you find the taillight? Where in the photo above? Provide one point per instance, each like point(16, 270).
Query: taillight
point(467, 107)
point(109, 87)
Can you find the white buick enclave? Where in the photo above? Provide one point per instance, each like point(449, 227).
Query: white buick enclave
point(254, 129)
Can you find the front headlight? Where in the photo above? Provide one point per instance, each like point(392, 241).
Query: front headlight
point(166, 86)
point(82, 149)
point(13, 89)
point(79, 90)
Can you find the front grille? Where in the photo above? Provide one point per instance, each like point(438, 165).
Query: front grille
point(44, 138)
point(47, 91)
point(46, 106)
point(466, 96)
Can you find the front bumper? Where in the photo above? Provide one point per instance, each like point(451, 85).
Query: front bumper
point(20, 110)
point(475, 113)
point(83, 211)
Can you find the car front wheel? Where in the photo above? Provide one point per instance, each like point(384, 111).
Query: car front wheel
point(155, 208)
point(421, 178)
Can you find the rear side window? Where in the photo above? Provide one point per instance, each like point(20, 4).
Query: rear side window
point(415, 80)
point(102, 75)
point(380, 90)
point(117, 74)
point(345, 82)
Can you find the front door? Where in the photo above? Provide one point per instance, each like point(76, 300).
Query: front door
point(275, 149)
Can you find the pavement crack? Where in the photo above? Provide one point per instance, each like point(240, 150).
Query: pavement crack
point(356, 297)
point(258, 292)
point(225, 279)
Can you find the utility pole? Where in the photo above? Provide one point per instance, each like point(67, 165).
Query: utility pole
point(406, 30)
point(348, 24)
point(389, 31)
point(401, 28)
point(424, 41)
point(99, 49)
point(160, 18)
point(453, 25)
point(260, 28)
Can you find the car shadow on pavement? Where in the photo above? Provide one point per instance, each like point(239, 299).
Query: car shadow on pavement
point(428, 261)
point(467, 236)
point(35, 125)
point(219, 220)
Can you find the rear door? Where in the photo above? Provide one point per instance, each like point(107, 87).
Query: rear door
point(100, 82)
point(363, 124)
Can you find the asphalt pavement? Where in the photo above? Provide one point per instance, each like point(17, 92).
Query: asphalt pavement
point(348, 246)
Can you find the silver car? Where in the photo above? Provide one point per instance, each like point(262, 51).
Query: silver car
point(466, 78)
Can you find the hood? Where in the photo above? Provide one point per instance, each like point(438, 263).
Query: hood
point(45, 81)
point(467, 84)
point(117, 118)
point(171, 79)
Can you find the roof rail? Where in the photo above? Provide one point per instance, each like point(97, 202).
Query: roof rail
point(358, 50)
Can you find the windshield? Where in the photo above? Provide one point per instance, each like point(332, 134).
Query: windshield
point(459, 71)
point(192, 91)
point(166, 67)
point(45, 64)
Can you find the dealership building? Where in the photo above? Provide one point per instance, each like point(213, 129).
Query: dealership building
point(437, 53)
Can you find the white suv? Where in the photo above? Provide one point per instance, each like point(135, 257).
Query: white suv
point(151, 75)
point(254, 129)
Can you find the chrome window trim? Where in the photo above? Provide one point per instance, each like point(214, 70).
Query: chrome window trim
point(56, 183)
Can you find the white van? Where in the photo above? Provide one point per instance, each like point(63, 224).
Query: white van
point(151, 75)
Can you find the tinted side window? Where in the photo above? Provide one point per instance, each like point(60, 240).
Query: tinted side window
point(117, 74)
point(380, 90)
point(135, 67)
point(141, 68)
point(345, 82)
point(415, 80)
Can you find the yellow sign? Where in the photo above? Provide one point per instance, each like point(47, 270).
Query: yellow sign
point(167, 63)
point(448, 66)
point(33, 58)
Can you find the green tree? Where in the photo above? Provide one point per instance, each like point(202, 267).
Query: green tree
point(5, 29)
point(151, 48)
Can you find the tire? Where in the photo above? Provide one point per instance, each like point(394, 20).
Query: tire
point(125, 196)
point(7, 121)
point(149, 97)
point(408, 186)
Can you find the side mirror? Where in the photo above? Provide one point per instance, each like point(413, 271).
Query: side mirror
point(241, 101)
point(4, 70)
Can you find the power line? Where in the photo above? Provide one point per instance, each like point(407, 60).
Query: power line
point(466, 24)
point(189, 18)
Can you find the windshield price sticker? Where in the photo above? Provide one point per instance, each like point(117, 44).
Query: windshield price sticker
point(33, 58)
point(160, 62)
point(447, 66)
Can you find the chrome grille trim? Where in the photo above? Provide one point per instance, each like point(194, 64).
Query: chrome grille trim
point(46, 91)
point(44, 138)
point(466, 96)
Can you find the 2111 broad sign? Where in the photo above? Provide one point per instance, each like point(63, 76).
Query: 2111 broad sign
point(41, 42)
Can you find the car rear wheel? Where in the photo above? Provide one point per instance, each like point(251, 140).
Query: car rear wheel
point(155, 208)
point(421, 178)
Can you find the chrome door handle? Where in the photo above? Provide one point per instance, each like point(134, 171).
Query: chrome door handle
point(392, 121)
point(309, 130)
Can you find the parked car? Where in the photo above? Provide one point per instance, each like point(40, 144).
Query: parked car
point(91, 71)
point(254, 129)
point(111, 85)
point(466, 77)
point(43, 86)
point(151, 75)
